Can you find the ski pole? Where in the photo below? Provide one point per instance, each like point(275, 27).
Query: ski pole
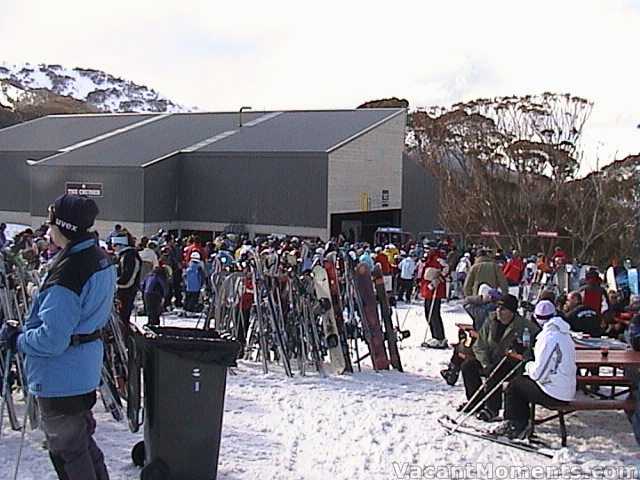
point(22, 436)
point(5, 387)
point(404, 320)
point(481, 389)
point(491, 392)
point(426, 333)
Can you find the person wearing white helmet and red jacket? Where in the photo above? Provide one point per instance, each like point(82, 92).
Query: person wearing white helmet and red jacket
point(549, 380)
point(195, 278)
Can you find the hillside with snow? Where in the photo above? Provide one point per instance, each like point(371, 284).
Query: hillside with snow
point(97, 90)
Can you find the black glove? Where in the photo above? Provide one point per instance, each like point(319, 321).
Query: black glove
point(9, 336)
point(486, 371)
point(525, 352)
point(518, 347)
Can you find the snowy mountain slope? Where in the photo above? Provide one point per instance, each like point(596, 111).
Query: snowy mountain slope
point(102, 91)
point(10, 95)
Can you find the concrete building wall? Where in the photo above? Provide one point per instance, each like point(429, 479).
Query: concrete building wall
point(368, 165)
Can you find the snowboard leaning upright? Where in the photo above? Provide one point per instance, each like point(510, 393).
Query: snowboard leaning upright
point(385, 311)
point(334, 287)
point(331, 335)
point(371, 322)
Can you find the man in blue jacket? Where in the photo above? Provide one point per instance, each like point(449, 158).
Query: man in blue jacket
point(61, 339)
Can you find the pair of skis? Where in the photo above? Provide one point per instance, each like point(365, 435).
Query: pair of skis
point(14, 304)
point(531, 445)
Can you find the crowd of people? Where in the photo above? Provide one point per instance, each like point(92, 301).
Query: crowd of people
point(173, 272)
point(522, 308)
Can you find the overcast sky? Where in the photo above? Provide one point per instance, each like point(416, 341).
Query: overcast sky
point(272, 54)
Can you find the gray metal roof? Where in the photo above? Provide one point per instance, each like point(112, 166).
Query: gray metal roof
point(302, 131)
point(141, 140)
point(55, 132)
point(151, 142)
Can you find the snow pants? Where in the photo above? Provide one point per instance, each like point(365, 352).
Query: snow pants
point(472, 373)
point(126, 299)
point(520, 394)
point(69, 433)
point(435, 322)
point(405, 289)
point(191, 301)
point(153, 306)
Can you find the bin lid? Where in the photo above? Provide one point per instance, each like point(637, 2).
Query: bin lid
point(204, 346)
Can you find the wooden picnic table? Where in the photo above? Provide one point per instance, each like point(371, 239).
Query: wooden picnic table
point(615, 358)
point(596, 343)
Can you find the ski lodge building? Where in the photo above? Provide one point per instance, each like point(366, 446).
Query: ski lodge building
point(306, 173)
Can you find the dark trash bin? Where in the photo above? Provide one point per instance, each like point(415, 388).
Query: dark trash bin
point(185, 375)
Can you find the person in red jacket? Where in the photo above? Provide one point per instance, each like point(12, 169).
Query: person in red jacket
point(387, 268)
point(513, 269)
point(194, 246)
point(593, 294)
point(559, 257)
point(382, 258)
point(433, 289)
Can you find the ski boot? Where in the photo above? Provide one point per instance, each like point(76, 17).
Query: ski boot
point(488, 415)
point(450, 374)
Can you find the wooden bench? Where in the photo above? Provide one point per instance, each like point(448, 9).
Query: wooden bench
point(583, 405)
point(603, 380)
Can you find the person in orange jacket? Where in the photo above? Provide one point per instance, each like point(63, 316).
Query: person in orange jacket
point(513, 269)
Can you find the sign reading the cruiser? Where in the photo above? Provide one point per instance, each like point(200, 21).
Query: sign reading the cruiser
point(87, 189)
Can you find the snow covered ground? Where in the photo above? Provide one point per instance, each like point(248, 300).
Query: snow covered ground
point(363, 426)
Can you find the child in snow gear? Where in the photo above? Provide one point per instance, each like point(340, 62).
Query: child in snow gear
point(61, 340)
point(195, 278)
point(154, 289)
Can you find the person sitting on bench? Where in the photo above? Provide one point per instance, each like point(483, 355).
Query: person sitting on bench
point(497, 336)
point(580, 317)
point(549, 380)
point(478, 307)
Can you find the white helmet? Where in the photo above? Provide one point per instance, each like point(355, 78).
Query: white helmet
point(195, 256)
